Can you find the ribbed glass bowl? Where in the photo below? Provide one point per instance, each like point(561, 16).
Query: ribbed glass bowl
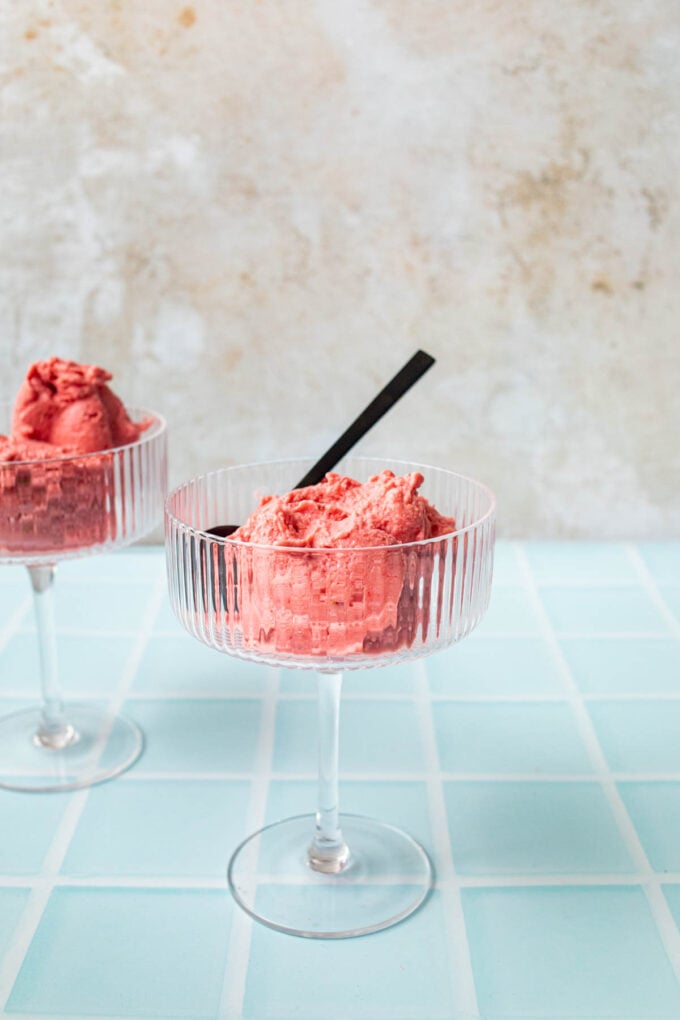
point(327, 875)
point(57, 509)
point(326, 608)
point(67, 507)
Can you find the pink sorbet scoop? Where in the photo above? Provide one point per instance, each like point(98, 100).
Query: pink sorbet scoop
point(341, 512)
point(62, 410)
point(325, 569)
point(71, 407)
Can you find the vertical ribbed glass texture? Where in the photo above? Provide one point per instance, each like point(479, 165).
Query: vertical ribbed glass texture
point(326, 608)
point(51, 510)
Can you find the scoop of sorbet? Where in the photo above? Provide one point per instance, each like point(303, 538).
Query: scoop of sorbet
point(71, 407)
point(341, 512)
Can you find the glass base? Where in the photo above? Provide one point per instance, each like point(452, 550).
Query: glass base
point(99, 746)
point(388, 877)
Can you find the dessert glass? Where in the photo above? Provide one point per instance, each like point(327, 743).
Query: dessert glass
point(52, 510)
point(327, 875)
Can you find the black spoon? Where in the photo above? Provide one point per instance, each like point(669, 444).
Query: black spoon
point(380, 405)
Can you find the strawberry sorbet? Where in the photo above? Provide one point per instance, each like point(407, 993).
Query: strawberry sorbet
point(325, 569)
point(70, 407)
point(48, 503)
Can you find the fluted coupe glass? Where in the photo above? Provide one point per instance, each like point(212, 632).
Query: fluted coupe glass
point(327, 875)
point(58, 509)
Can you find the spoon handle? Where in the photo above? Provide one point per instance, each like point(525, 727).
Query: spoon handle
point(380, 405)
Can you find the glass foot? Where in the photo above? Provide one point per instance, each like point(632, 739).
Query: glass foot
point(387, 877)
point(99, 746)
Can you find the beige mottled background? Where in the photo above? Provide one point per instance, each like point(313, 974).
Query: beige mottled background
point(253, 211)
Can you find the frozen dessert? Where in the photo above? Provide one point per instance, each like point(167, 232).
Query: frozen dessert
point(330, 569)
point(54, 494)
point(70, 407)
point(340, 512)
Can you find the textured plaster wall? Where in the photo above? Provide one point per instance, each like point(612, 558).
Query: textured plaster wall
point(253, 211)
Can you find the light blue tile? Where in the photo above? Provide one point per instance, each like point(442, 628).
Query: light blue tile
point(595, 610)
point(568, 952)
point(495, 666)
point(15, 591)
point(398, 679)
point(671, 597)
point(344, 902)
point(181, 666)
point(400, 803)
point(404, 972)
point(127, 952)
point(603, 562)
point(533, 828)
point(638, 736)
point(9, 705)
point(508, 737)
point(672, 894)
point(28, 824)
point(166, 622)
point(511, 611)
point(88, 666)
point(624, 665)
point(375, 736)
point(12, 903)
point(301, 681)
point(113, 606)
point(142, 564)
point(663, 560)
point(507, 568)
point(197, 736)
point(14, 574)
point(655, 811)
point(19, 666)
point(166, 827)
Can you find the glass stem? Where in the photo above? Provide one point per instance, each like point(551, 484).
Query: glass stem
point(54, 732)
point(328, 851)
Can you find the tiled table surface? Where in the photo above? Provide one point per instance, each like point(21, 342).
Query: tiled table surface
point(538, 762)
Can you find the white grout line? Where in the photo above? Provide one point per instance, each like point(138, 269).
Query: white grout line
point(589, 879)
point(62, 1016)
point(463, 982)
point(10, 963)
point(454, 882)
point(467, 698)
point(41, 891)
point(398, 777)
point(649, 584)
point(136, 583)
point(650, 881)
point(48, 878)
point(238, 955)
point(657, 901)
point(13, 624)
point(139, 775)
point(112, 882)
point(142, 639)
